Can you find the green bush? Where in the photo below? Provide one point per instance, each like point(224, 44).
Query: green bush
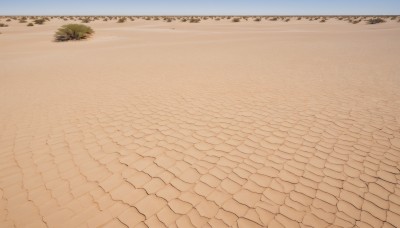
point(73, 32)
point(375, 21)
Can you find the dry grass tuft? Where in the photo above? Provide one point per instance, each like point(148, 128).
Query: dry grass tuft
point(236, 20)
point(73, 32)
point(375, 21)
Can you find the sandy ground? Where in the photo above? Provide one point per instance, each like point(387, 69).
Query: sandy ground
point(214, 124)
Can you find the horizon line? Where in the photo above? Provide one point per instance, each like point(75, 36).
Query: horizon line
point(197, 15)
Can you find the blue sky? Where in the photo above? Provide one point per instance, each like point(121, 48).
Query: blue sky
point(199, 7)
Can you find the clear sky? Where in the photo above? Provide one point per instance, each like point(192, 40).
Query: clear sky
point(198, 7)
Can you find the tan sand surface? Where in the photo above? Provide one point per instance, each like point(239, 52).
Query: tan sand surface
point(215, 124)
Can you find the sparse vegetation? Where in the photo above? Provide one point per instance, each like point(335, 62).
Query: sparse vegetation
point(323, 21)
point(274, 19)
point(194, 20)
point(73, 32)
point(375, 21)
point(3, 25)
point(257, 19)
point(85, 20)
point(30, 25)
point(121, 20)
point(39, 21)
point(236, 20)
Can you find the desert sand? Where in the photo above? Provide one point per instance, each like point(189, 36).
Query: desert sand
point(215, 124)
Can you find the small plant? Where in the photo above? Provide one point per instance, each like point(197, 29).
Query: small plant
point(3, 25)
point(194, 20)
point(287, 20)
point(121, 20)
point(168, 20)
point(85, 20)
point(273, 19)
point(375, 21)
point(30, 25)
point(257, 19)
point(39, 21)
point(299, 18)
point(183, 20)
point(73, 32)
point(236, 20)
point(8, 20)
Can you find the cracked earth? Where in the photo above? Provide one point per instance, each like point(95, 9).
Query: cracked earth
point(204, 128)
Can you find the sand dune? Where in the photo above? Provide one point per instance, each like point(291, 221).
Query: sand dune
point(215, 124)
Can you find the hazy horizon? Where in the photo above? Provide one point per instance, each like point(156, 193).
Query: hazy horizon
point(207, 7)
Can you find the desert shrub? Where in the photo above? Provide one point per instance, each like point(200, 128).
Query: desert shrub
point(121, 20)
point(323, 21)
point(85, 20)
point(3, 25)
point(299, 18)
point(105, 19)
point(273, 19)
point(39, 21)
point(217, 19)
point(287, 20)
point(257, 19)
point(73, 32)
point(236, 20)
point(30, 24)
point(8, 20)
point(22, 21)
point(194, 20)
point(183, 20)
point(375, 21)
point(356, 21)
point(168, 20)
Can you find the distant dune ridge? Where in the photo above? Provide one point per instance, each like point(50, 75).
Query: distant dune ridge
point(200, 121)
